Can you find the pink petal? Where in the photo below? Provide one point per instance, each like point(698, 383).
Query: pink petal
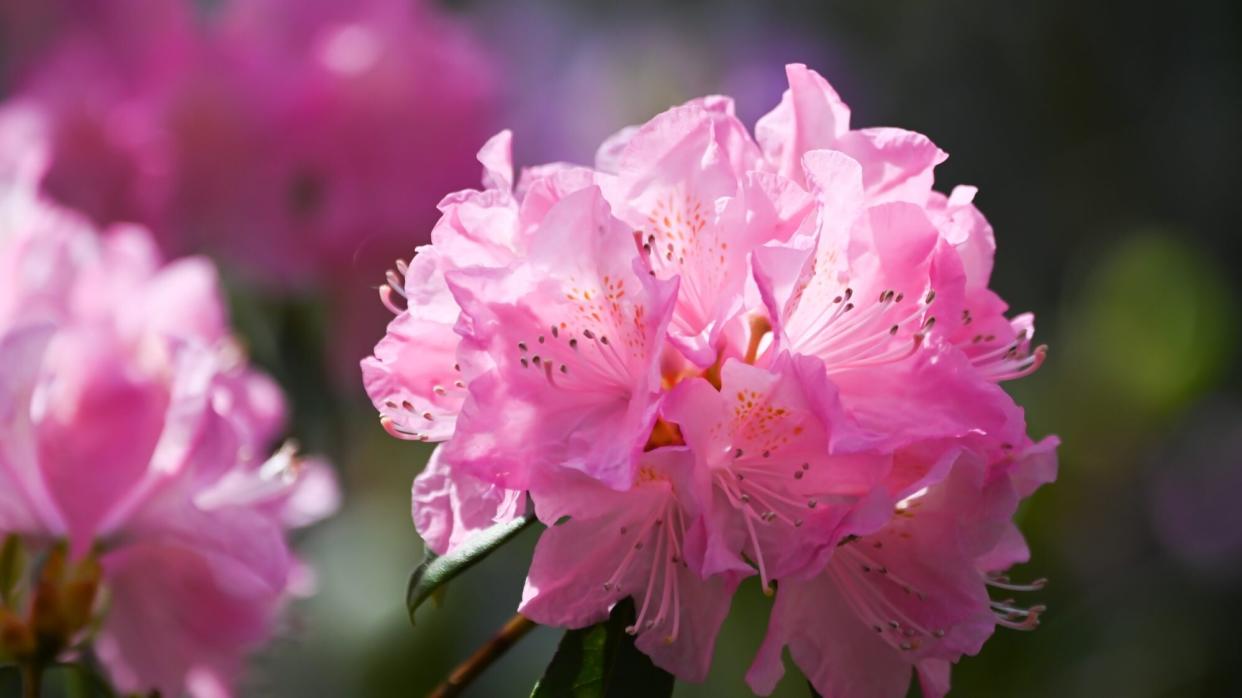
point(450, 506)
point(496, 155)
point(766, 439)
point(255, 404)
point(838, 653)
point(184, 300)
point(25, 502)
point(963, 226)
point(570, 338)
point(810, 116)
point(412, 379)
point(573, 560)
point(704, 606)
point(542, 187)
point(680, 186)
point(315, 496)
point(1035, 466)
point(933, 677)
point(909, 595)
point(197, 446)
point(608, 155)
point(629, 543)
point(897, 164)
point(173, 614)
point(101, 409)
point(932, 398)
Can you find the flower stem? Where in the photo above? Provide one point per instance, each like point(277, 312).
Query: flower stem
point(493, 649)
point(32, 679)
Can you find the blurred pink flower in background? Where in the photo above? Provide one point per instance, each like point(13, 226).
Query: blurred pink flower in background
point(721, 356)
point(132, 428)
point(1192, 508)
point(617, 67)
point(302, 144)
point(28, 27)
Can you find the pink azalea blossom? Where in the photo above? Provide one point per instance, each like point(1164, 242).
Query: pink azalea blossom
point(691, 182)
point(133, 429)
point(998, 346)
point(414, 377)
point(302, 144)
point(913, 594)
point(630, 543)
point(570, 340)
point(897, 166)
point(764, 442)
point(712, 356)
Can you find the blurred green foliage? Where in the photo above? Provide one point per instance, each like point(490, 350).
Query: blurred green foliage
point(1151, 326)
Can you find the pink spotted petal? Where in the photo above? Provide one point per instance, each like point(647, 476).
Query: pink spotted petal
point(768, 438)
point(571, 337)
point(412, 380)
point(907, 594)
point(681, 186)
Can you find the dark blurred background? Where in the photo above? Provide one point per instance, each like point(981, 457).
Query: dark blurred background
point(1104, 142)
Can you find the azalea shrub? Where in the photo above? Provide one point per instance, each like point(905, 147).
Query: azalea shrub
point(713, 356)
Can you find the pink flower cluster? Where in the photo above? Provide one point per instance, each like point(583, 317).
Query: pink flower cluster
point(712, 356)
point(293, 140)
point(132, 429)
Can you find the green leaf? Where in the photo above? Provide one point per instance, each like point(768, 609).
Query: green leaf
point(78, 680)
point(602, 661)
point(435, 570)
point(12, 566)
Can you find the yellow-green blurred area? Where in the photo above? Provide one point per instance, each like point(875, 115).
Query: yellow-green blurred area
point(1104, 140)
